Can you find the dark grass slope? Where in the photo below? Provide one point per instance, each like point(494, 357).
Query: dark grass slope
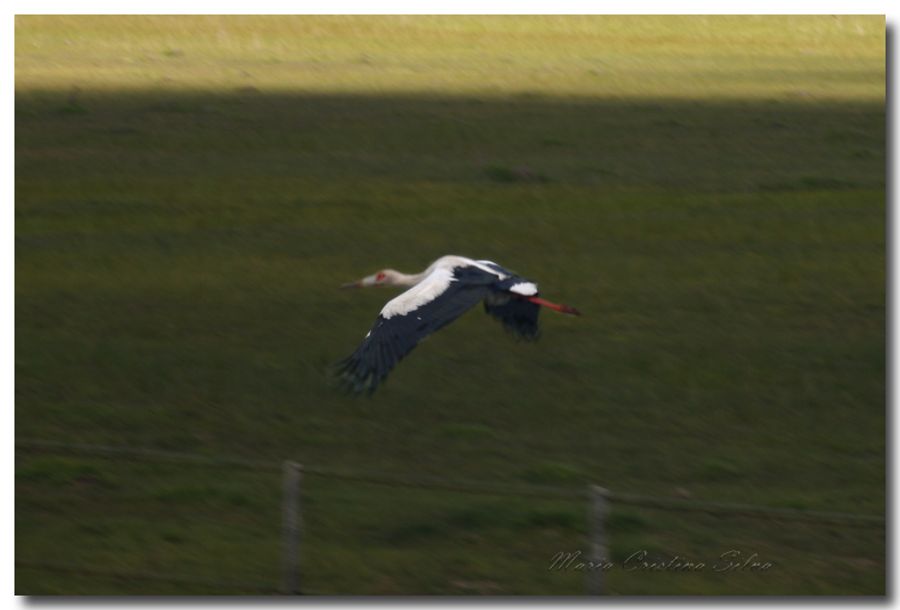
point(178, 258)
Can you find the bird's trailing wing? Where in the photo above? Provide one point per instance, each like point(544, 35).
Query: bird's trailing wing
point(507, 303)
point(518, 316)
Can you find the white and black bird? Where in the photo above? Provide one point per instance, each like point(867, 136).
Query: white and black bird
point(444, 291)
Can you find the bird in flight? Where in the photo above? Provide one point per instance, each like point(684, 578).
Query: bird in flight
point(444, 291)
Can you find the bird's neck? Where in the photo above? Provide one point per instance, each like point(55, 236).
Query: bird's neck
point(404, 279)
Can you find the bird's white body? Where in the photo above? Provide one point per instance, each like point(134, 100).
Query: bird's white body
point(434, 281)
point(526, 289)
point(428, 289)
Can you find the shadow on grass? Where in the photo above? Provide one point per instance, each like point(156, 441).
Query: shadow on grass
point(776, 145)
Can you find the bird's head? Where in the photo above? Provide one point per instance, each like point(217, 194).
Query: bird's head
point(385, 277)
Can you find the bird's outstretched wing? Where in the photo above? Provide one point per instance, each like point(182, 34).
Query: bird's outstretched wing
point(444, 295)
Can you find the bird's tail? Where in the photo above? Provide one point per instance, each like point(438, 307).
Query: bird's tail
point(554, 306)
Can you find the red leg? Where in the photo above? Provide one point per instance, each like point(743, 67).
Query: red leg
point(554, 306)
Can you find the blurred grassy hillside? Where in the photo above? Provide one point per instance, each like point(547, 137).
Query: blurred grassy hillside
point(191, 191)
point(747, 58)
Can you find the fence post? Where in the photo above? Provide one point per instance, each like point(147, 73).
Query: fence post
point(291, 523)
point(597, 553)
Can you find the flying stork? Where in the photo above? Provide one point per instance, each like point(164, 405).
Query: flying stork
point(437, 296)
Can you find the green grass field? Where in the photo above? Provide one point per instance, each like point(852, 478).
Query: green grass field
point(709, 192)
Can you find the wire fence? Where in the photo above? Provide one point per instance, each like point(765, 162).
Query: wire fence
point(597, 499)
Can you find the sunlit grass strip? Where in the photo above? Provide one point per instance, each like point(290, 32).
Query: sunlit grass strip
point(796, 58)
